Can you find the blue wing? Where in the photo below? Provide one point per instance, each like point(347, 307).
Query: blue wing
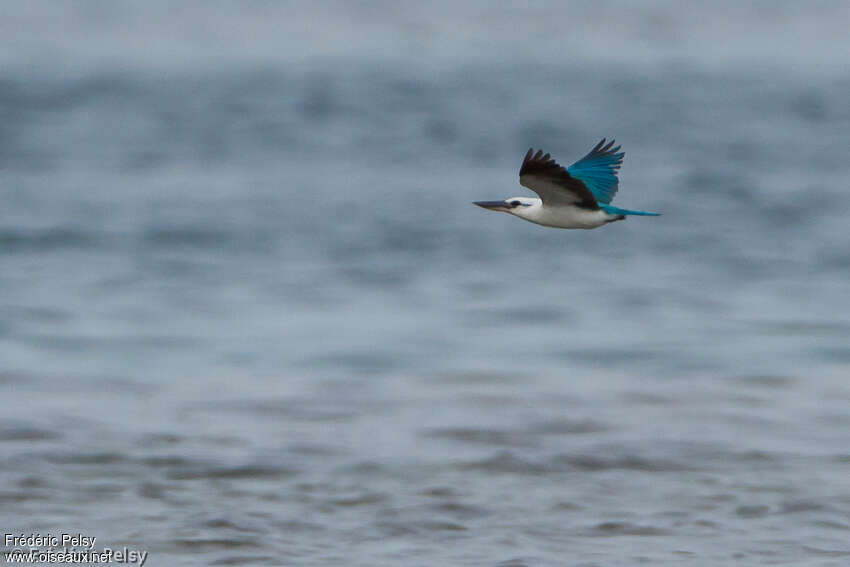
point(598, 170)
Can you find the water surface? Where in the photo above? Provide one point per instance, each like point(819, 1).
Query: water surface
point(249, 316)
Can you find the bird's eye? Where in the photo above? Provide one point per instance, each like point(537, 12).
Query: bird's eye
point(515, 203)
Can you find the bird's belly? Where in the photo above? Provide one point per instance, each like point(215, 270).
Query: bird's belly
point(571, 217)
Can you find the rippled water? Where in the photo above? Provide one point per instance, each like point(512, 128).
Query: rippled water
point(248, 315)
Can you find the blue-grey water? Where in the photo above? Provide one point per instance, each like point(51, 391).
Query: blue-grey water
point(249, 316)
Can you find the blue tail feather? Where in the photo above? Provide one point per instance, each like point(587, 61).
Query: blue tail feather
point(612, 210)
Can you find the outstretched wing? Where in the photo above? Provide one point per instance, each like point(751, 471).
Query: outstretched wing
point(553, 183)
point(598, 170)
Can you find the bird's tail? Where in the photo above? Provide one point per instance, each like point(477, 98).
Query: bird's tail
point(612, 210)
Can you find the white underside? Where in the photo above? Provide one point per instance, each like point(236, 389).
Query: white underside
point(563, 217)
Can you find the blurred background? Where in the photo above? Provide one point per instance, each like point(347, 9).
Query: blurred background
point(248, 314)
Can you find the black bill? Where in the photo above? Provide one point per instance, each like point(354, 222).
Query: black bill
point(493, 205)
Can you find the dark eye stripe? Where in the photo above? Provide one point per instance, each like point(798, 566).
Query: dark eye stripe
point(515, 203)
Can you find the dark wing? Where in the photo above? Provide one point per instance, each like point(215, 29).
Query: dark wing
point(553, 183)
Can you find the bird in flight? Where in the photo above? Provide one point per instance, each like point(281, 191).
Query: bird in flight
point(578, 196)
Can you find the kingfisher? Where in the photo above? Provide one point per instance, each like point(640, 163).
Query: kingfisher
point(578, 196)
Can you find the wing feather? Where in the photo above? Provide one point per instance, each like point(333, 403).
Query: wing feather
point(598, 170)
point(553, 183)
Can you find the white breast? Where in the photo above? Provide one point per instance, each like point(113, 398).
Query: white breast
point(562, 217)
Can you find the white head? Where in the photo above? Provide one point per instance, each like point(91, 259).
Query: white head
point(518, 206)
